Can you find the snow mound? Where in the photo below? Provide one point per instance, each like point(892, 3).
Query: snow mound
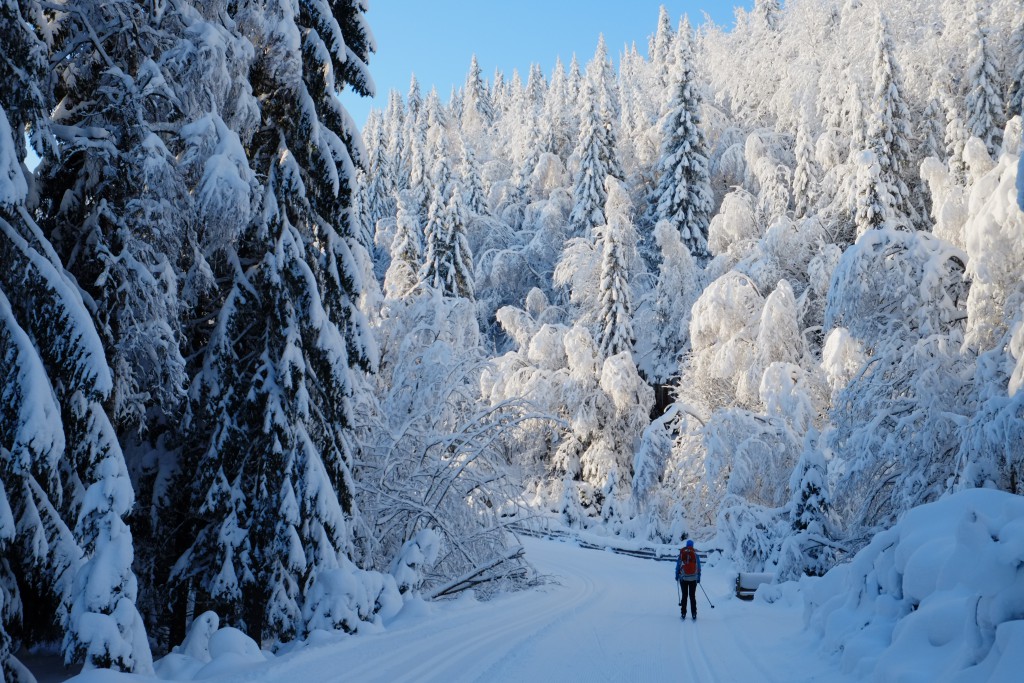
point(209, 652)
point(939, 597)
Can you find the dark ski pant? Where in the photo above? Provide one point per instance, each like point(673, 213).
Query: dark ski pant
point(689, 590)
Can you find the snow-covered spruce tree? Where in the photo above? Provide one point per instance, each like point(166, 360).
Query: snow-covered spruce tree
point(207, 70)
point(574, 79)
point(601, 72)
point(416, 150)
point(394, 126)
point(406, 250)
point(888, 131)
point(596, 152)
point(536, 89)
point(931, 129)
point(1015, 90)
point(873, 201)
point(469, 178)
point(447, 260)
point(115, 211)
point(477, 111)
point(805, 176)
point(809, 551)
point(519, 192)
point(956, 131)
point(615, 318)
point(661, 49)
point(662, 320)
point(269, 416)
point(559, 131)
point(459, 266)
point(984, 101)
point(59, 460)
point(683, 195)
point(380, 191)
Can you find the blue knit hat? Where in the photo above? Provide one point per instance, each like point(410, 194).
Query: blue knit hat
point(689, 544)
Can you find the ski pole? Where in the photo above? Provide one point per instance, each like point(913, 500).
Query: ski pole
point(706, 596)
point(679, 592)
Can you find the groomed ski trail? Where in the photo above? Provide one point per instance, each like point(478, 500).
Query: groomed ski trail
point(601, 617)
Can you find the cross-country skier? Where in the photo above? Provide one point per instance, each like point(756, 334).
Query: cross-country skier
point(688, 576)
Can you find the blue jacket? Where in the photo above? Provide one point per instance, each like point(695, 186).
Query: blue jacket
point(680, 576)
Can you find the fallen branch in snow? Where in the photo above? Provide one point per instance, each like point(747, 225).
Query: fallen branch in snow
point(470, 579)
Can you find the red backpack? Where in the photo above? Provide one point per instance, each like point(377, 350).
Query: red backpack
point(688, 561)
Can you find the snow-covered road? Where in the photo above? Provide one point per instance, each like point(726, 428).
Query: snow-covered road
point(603, 617)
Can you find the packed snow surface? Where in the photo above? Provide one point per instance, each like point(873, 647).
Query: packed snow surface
point(600, 617)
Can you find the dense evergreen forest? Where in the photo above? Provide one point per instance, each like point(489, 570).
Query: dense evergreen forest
point(762, 286)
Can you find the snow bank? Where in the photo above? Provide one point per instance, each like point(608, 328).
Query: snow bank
point(939, 597)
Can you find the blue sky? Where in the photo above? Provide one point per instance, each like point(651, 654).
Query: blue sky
point(435, 39)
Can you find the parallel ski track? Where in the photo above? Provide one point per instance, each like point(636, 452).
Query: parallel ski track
point(485, 649)
point(468, 650)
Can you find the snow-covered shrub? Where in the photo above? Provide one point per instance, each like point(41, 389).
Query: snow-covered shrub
point(750, 533)
point(810, 550)
point(938, 597)
point(349, 599)
point(415, 560)
point(186, 659)
point(734, 228)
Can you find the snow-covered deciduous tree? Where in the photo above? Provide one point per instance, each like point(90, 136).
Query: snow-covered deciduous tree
point(769, 12)
point(989, 453)
point(901, 296)
point(723, 331)
point(432, 453)
point(778, 340)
